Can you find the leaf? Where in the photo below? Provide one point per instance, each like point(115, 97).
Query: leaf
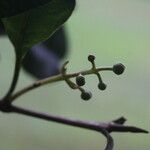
point(36, 25)
point(12, 7)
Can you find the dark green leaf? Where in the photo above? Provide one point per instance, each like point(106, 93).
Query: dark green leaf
point(12, 7)
point(36, 25)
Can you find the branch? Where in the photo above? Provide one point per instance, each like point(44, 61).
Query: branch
point(63, 76)
point(104, 128)
point(53, 79)
point(110, 141)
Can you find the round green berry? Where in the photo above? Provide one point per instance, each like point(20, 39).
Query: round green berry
point(118, 68)
point(80, 80)
point(91, 58)
point(86, 95)
point(102, 86)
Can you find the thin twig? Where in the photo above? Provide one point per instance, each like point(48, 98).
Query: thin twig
point(110, 141)
point(53, 79)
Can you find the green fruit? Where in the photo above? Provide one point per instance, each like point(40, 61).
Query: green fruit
point(118, 68)
point(80, 80)
point(86, 95)
point(91, 58)
point(102, 86)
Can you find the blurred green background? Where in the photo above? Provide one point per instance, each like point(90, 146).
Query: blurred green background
point(115, 31)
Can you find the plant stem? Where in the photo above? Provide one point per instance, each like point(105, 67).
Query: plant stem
point(56, 78)
point(93, 125)
point(104, 128)
point(6, 98)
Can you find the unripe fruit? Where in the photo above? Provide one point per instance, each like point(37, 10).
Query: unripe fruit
point(102, 86)
point(86, 95)
point(80, 80)
point(91, 58)
point(118, 68)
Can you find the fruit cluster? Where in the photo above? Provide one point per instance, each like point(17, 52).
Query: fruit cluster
point(80, 79)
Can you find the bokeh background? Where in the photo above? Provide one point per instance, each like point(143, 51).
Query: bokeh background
point(115, 31)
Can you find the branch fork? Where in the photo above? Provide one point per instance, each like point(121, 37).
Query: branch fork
point(105, 128)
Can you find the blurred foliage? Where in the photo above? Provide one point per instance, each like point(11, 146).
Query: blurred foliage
point(47, 55)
